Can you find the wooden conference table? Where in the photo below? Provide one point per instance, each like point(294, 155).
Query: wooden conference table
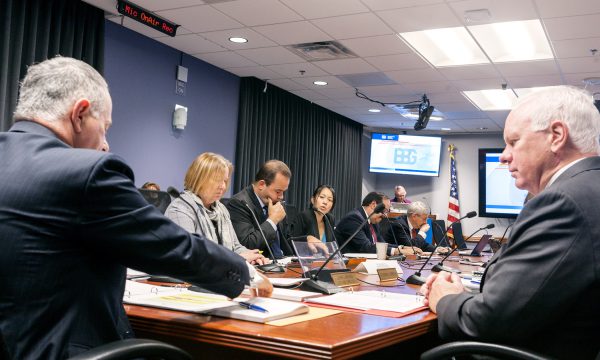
point(340, 336)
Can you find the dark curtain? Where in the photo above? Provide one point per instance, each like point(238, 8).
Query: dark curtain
point(35, 30)
point(319, 146)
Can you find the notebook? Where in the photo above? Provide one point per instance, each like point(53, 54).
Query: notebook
point(277, 309)
point(478, 248)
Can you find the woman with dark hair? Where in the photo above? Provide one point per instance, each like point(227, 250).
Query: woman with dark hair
point(316, 222)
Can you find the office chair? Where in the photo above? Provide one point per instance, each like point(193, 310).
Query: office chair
point(133, 349)
point(159, 199)
point(495, 351)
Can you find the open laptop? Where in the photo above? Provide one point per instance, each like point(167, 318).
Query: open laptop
point(478, 248)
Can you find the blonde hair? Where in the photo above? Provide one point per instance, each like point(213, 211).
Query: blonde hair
point(204, 169)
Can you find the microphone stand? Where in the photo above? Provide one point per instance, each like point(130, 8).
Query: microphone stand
point(416, 278)
point(272, 267)
point(440, 266)
point(314, 284)
point(399, 257)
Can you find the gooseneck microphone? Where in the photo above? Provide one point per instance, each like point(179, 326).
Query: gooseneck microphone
point(440, 266)
point(416, 278)
point(314, 284)
point(272, 267)
point(399, 257)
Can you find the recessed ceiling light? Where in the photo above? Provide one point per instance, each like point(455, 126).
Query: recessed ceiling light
point(513, 41)
point(482, 128)
point(374, 110)
point(446, 47)
point(320, 82)
point(446, 129)
point(496, 99)
point(238, 40)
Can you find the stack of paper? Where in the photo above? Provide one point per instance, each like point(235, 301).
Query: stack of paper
point(372, 300)
point(289, 294)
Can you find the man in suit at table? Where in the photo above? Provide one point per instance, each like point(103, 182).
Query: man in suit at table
point(541, 290)
point(370, 234)
point(263, 198)
point(72, 220)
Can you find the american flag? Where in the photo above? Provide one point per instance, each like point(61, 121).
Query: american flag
point(453, 205)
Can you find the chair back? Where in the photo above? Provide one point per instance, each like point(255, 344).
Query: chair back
point(159, 199)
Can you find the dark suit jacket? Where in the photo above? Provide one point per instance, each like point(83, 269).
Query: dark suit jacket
point(245, 227)
point(400, 229)
point(542, 289)
point(71, 221)
point(363, 241)
point(305, 223)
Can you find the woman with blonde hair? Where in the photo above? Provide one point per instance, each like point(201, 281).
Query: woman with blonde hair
point(198, 209)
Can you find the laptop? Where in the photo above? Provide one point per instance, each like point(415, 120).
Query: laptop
point(399, 207)
point(478, 248)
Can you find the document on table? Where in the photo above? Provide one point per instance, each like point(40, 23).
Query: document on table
point(275, 309)
point(372, 300)
point(361, 255)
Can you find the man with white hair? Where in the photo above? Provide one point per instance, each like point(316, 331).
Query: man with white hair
point(541, 291)
point(72, 220)
point(400, 195)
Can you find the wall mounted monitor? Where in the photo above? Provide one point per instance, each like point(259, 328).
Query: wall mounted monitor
point(405, 154)
point(498, 195)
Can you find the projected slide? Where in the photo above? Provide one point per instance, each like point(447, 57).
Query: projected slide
point(501, 195)
point(405, 154)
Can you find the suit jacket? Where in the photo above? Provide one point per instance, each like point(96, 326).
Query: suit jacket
point(71, 221)
point(363, 241)
point(245, 227)
point(305, 224)
point(401, 231)
point(542, 289)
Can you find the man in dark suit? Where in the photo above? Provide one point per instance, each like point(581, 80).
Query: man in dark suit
point(264, 199)
point(369, 235)
point(541, 290)
point(71, 221)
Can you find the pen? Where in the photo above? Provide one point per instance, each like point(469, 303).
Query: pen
point(247, 305)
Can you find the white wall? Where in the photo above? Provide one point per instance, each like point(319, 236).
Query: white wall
point(435, 190)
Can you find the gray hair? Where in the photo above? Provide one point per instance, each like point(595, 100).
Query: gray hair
point(567, 103)
point(51, 87)
point(418, 208)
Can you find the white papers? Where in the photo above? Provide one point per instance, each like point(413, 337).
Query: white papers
point(277, 309)
point(134, 274)
point(172, 298)
point(285, 282)
point(289, 294)
point(370, 266)
point(361, 255)
point(372, 300)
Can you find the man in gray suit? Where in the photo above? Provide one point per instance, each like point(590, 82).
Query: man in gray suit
point(541, 291)
point(71, 221)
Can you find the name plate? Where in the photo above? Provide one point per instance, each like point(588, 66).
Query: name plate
point(388, 274)
point(343, 279)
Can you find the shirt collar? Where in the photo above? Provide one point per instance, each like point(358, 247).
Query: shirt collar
point(561, 171)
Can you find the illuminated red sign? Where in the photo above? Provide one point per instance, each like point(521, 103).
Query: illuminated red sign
point(146, 17)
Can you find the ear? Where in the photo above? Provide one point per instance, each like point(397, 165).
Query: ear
point(79, 110)
point(261, 184)
point(559, 135)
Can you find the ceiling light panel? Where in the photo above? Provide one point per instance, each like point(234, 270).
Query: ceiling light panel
point(495, 99)
point(446, 47)
point(513, 41)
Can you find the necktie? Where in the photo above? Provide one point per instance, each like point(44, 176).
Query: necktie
point(414, 233)
point(275, 246)
point(373, 234)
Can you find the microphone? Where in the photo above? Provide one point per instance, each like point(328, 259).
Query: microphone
point(416, 278)
point(314, 284)
point(400, 256)
point(440, 266)
point(272, 267)
point(326, 220)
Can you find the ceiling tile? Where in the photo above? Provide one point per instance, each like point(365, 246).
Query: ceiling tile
point(526, 68)
point(398, 62)
point(430, 87)
point(484, 71)
point(191, 44)
point(332, 82)
point(309, 95)
point(580, 65)
point(255, 40)
point(559, 8)
point(394, 4)
point(327, 103)
point(287, 84)
point(499, 116)
point(338, 93)
point(156, 5)
point(573, 27)
point(501, 11)
point(256, 71)
point(453, 106)
point(446, 97)
point(297, 69)
point(200, 18)
point(258, 12)
point(420, 18)
point(225, 59)
point(345, 66)
point(377, 45)
point(478, 84)
point(353, 26)
point(415, 75)
point(576, 79)
point(576, 47)
point(460, 115)
point(270, 56)
point(534, 81)
point(475, 124)
point(293, 33)
point(312, 9)
point(385, 90)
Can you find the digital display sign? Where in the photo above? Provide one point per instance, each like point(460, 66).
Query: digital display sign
point(146, 17)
